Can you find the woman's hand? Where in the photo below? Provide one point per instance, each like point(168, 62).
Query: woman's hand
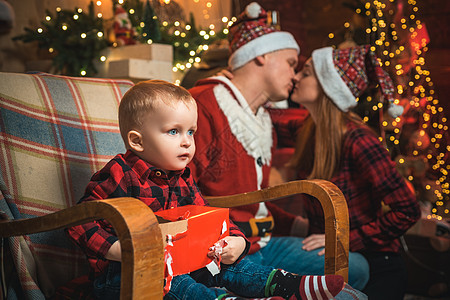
point(314, 241)
point(234, 246)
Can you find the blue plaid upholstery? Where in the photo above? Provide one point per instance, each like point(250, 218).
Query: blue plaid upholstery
point(55, 132)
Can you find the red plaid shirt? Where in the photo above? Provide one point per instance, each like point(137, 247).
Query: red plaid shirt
point(126, 175)
point(367, 177)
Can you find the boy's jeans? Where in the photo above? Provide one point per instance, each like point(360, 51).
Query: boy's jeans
point(245, 279)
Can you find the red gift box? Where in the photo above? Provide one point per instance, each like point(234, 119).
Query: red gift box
point(188, 233)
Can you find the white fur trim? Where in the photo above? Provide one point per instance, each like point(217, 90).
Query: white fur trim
point(254, 132)
point(263, 241)
point(330, 80)
point(395, 110)
point(259, 175)
point(266, 43)
point(262, 212)
point(253, 10)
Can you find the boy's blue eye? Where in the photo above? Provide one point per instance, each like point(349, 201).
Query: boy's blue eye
point(190, 132)
point(172, 131)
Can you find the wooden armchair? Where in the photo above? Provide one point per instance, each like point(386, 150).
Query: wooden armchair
point(55, 132)
point(333, 204)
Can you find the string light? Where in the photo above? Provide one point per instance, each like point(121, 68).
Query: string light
point(418, 88)
point(387, 34)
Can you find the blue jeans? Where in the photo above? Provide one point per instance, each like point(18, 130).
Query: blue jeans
point(287, 253)
point(107, 285)
point(245, 279)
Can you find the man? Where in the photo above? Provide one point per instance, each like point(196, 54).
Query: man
point(235, 139)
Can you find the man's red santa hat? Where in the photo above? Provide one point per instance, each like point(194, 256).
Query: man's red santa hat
point(251, 36)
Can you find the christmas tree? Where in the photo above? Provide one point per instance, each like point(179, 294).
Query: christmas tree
point(75, 39)
point(135, 10)
point(419, 139)
point(151, 28)
point(188, 41)
point(165, 23)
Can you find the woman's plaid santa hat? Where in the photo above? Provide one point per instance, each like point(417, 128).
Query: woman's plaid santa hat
point(251, 36)
point(346, 73)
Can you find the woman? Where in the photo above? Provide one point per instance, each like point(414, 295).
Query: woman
point(335, 145)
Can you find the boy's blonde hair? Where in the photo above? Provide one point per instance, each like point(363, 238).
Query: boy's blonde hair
point(144, 97)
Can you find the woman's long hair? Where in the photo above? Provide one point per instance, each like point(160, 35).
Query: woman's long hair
point(318, 147)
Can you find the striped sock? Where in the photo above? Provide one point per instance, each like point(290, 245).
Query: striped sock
point(309, 287)
point(320, 287)
point(232, 297)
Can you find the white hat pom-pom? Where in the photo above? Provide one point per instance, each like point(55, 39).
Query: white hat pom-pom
point(253, 10)
point(395, 110)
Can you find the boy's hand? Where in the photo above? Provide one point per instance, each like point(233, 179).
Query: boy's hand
point(233, 248)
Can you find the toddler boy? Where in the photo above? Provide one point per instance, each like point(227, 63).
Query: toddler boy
point(157, 122)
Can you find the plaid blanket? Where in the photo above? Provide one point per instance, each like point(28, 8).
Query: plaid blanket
point(55, 132)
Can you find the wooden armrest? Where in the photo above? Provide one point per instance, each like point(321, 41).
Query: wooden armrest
point(334, 207)
point(138, 232)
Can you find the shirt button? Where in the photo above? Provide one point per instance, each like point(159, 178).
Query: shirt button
point(158, 173)
point(259, 161)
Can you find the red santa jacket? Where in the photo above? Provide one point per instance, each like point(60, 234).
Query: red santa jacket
point(233, 155)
